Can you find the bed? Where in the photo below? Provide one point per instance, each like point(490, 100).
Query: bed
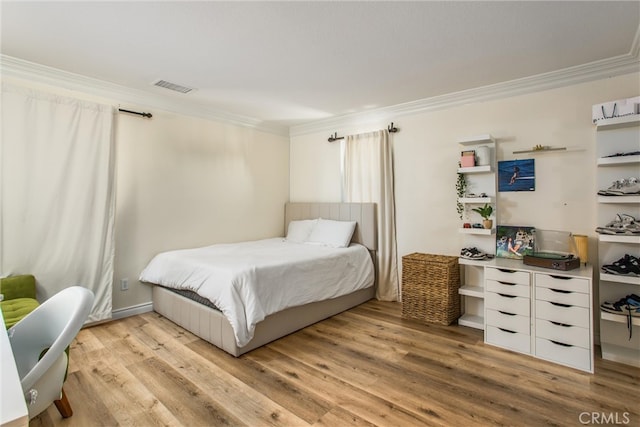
point(211, 322)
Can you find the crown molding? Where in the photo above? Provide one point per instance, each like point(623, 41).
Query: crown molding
point(610, 67)
point(21, 69)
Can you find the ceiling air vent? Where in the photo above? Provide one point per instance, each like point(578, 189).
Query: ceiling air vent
point(172, 86)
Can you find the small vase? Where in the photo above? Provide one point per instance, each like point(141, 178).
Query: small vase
point(487, 223)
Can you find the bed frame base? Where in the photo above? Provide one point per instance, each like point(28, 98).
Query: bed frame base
point(211, 325)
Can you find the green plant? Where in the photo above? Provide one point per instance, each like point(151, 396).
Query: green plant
point(461, 190)
point(484, 211)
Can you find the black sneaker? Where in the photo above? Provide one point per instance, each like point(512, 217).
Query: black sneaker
point(625, 266)
point(625, 308)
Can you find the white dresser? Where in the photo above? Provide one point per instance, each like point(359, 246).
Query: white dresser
point(542, 312)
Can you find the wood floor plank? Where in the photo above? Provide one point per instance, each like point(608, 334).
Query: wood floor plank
point(242, 400)
point(364, 367)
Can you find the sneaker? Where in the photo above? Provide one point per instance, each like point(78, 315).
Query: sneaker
point(629, 186)
point(472, 253)
point(622, 224)
point(625, 266)
point(616, 185)
point(625, 308)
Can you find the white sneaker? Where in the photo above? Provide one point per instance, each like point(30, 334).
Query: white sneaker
point(629, 186)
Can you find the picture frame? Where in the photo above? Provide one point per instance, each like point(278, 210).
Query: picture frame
point(514, 241)
point(516, 175)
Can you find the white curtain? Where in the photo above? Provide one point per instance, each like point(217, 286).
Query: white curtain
point(57, 195)
point(368, 177)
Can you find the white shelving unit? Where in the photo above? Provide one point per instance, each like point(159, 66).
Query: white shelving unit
point(480, 179)
point(617, 135)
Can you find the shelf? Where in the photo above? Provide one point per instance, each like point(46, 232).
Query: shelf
point(479, 200)
point(618, 161)
point(472, 321)
point(617, 238)
point(477, 140)
point(618, 199)
point(479, 231)
point(540, 150)
point(618, 122)
point(632, 280)
point(472, 291)
point(476, 169)
point(619, 318)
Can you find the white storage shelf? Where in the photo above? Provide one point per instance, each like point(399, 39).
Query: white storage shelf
point(480, 179)
point(617, 135)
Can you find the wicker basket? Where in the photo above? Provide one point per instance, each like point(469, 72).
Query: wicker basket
point(430, 288)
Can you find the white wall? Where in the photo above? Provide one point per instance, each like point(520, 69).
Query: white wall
point(426, 156)
point(188, 182)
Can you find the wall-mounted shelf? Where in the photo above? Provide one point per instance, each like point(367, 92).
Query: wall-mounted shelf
point(618, 161)
point(632, 280)
point(477, 140)
point(479, 200)
point(479, 231)
point(618, 318)
point(619, 238)
point(476, 169)
point(541, 150)
point(618, 122)
point(618, 199)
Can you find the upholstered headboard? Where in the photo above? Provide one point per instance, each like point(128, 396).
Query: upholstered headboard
point(363, 213)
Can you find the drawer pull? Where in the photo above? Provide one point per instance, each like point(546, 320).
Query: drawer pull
point(560, 277)
point(507, 330)
point(506, 271)
point(508, 296)
point(561, 343)
point(560, 291)
point(561, 305)
point(506, 283)
point(505, 313)
point(565, 325)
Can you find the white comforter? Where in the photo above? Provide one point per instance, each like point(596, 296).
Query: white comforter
point(251, 280)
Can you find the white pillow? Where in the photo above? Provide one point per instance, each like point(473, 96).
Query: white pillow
point(299, 231)
point(336, 234)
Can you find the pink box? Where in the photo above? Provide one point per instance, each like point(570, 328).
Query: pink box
point(467, 161)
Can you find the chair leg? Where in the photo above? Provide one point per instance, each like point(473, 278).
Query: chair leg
point(63, 406)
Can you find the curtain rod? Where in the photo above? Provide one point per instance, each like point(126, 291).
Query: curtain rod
point(391, 128)
point(145, 115)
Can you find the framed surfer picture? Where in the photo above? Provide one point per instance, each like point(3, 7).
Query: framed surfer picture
point(514, 242)
point(517, 175)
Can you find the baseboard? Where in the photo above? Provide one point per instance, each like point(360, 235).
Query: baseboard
point(121, 313)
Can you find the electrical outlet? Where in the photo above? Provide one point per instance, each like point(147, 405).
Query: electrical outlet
point(124, 284)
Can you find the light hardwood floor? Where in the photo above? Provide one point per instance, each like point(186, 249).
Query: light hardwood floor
point(364, 367)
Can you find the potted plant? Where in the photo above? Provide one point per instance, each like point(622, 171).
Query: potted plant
point(485, 212)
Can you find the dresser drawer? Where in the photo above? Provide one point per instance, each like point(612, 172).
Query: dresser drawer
point(507, 288)
point(571, 314)
point(562, 297)
point(513, 322)
point(506, 275)
point(576, 357)
point(563, 333)
point(507, 303)
point(562, 283)
point(504, 337)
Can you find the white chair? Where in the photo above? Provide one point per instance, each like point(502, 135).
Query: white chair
point(50, 327)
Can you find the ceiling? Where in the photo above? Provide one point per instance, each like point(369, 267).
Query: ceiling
point(295, 62)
